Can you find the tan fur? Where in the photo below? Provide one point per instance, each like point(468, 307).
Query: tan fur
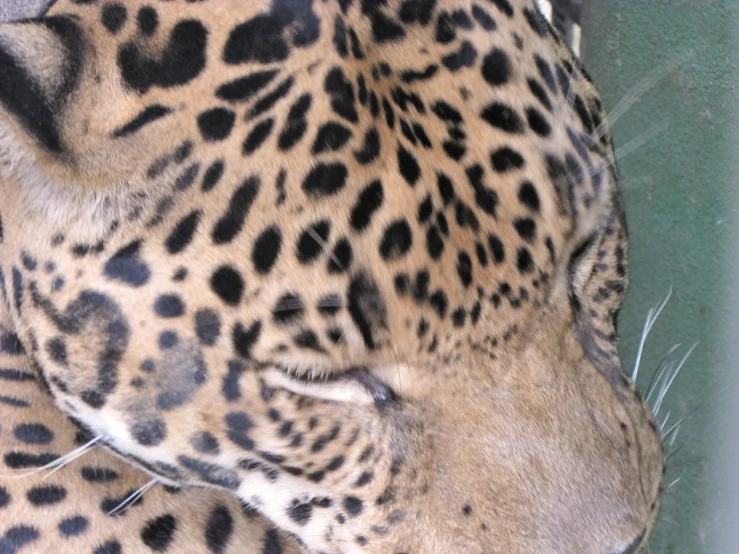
point(512, 432)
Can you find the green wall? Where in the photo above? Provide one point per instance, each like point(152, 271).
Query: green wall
point(680, 190)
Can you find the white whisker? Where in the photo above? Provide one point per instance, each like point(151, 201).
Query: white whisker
point(666, 369)
point(662, 426)
point(652, 316)
point(637, 91)
point(637, 142)
point(673, 483)
point(133, 497)
point(59, 463)
point(674, 436)
point(662, 394)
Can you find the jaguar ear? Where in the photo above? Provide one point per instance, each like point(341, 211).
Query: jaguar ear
point(598, 279)
point(40, 66)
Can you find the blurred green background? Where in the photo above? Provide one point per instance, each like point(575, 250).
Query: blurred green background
point(680, 190)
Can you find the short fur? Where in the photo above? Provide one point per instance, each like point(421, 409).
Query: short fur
point(355, 264)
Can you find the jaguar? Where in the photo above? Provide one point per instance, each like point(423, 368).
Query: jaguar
point(328, 276)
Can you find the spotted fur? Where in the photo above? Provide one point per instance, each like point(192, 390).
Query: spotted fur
point(354, 264)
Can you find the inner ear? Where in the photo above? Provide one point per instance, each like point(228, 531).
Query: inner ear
point(597, 281)
point(40, 63)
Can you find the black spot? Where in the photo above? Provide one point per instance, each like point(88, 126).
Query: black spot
point(242, 89)
point(169, 305)
point(205, 443)
point(541, 94)
point(231, 388)
point(536, 21)
point(272, 543)
point(16, 375)
point(528, 196)
point(296, 124)
point(16, 538)
point(524, 261)
point(312, 240)
point(110, 547)
point(538, 122)
point(57, 350)
point(233, 220)
point(46, 495)
point(369, 201)
point(183, 233)
point(149, 431)
point(147, 116)
point(331, 136)
point(219, 529)
point(264, 38)
point(158, 532)
point(73, 526)
point(397, 239)
point(341, 257)
point(385, 29)
point(421, 286)
point(445, 32)
point(447, 113)
point(266, 249)
point(168, 340)
point(411, 76)
point(127, 266)
point(486, 198)
point(22, 460)
point(309, 340)
point(503, 117)
point(526, 228)
point(325, 180)
point(93, 313)
point(212, 175)
point(244, 339)
point(18, 289)
point(504, 6)
point(341, 91)
point(147, 20)
point(340, 42)
point(269, 100)
point(288, 308)
point(496, 67)
point(353, 505)
point(367, 308)
point(300, 513)
point(257, 136)
point(417, 11)
point(496, 249)
point(465, 57)
point(99, 474)
point(545, 70)
point(182, 60)
point(113, 16)
point(10, 344)
point(4, 497)
point(228, 284)
point(434, 242)
point(464, 269)
point(483, 18)
point(505, 159)
point(408, 166)
point(216, 124)
point(33, 433)
point(370, 149)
